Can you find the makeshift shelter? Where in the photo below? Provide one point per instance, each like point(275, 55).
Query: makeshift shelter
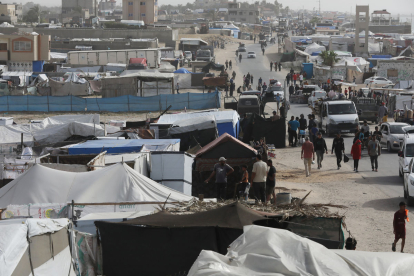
point(35, 247)
point(116, 183)
point(281, 252)
point(194, 131)
point(314, 47)
point(183, 77)
point(175, 239)
point(173, 169)
point(273, 131)
point(227, 121)
point(236, 152)
point(125, 146)
point(213, 66)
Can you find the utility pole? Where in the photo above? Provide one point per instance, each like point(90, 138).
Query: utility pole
point(319, 7)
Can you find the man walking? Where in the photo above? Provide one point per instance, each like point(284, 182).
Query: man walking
point(178, 88)
point(307, 155)
point(280, 66)
point(382, 111)
point(282, 111)
point(230, 65)
point(277, 98)
point(288, 79)
point(339, 147)
point(293, 126)
point(301, 79)
point(294, 77)
point(271, 66)
point(221, 170)
point(258, 179)
point(399, 226)
point(271, 182)
point(320, 149)
point(227, 64)
point(291, 89)
point(374, 150)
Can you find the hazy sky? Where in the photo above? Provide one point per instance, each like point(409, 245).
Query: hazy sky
point(394, 6)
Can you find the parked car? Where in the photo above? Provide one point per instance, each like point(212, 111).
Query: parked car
point(406, 153)
point(377, 80)
point(188, 55)
point(392, 135)
point(409, 183)
point(241, 49)
point(249, 104)
point(251, 55)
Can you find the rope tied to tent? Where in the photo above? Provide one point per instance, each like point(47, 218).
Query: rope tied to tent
point(29, 241)
point(52, 251)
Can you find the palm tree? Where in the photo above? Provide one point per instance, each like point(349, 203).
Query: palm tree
point(329, 57)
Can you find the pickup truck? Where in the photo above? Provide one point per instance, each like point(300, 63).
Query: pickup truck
point(337, 116)
point(367, 109)
point(205, 55)
point(247, 104)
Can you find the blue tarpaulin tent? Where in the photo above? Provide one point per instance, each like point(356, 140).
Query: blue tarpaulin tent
point(182, 71)
point(119, 146)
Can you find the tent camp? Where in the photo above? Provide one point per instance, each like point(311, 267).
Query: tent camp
point(274, 132)
point(227, 121)
point(236, 152)
point(194, 131)
point(314, 47)
point(183, 77)
point(116, 183)
point(47, 253)
point(268, 251)
point(125, 146)
point(175, 239)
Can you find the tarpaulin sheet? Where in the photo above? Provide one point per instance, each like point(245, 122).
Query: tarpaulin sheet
point(116, 104)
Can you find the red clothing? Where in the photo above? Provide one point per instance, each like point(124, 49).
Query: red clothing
point(346, 92)
point(356, 150)
point(307, 148)
point(294, 77)
point(399, 224)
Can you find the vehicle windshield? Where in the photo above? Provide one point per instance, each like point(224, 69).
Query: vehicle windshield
point(275, 88)
point(203, 53)
point(397, 129)
point(248, 102)
point(409, 150)
point(251, 53)
point(337, 109)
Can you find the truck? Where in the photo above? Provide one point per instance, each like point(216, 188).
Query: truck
point(205, 53)
point(335, 116)
point(367, 109)
point(153, 57)
point(247, 104)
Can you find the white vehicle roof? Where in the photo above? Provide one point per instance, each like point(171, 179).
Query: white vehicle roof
point(396, 124)
point(338, 102)
point(248, 97)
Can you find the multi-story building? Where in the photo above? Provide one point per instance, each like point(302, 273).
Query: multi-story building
point(142, 10)
point(24, 52)
point(69, 7)
point(8, 13)
point(245, 15)
point(107, 5)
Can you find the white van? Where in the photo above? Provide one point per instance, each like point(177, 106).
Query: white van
point(315, 96)
point(338, 116)
point(406, 153)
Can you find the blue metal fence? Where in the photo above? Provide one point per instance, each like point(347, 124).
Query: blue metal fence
point(116, 104)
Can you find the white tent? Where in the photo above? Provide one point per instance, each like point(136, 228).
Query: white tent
point(269, 251)
point(116, 183)
point(47, 254)
point(362, 34)
point(314, 47)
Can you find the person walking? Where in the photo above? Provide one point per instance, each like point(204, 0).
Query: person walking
point(374, 150)
point(277, 98)
point(320, 148)
point(258, 179)
point(227, 64)
point(177, 86)
point(301, 79)
point(288, 79)
point(230, 65)
point(339, 147)
point(260, 81)
point(233, 75)
point(280, 66)
point(307, 155)
point(271, 66)
point(221, 170)
point(232, 87)
point(263, 50)
point(356, 153)
point(282, 111)
point(275, 64)
point(271, 182)
point(399, 226)
point(251, 79)
point(303, 124)
point(240, 58)
point(313, 133)
point(293, 129)
point(294, 77)
point(382, 111)
point(291, 89)
point(245, 185)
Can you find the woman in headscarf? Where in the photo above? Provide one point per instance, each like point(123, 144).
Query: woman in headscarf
point(356, 153)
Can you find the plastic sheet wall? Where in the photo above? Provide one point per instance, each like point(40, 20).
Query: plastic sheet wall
point(117, 104)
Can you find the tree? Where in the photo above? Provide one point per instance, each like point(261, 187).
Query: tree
point(315, 20)
point(329, 57)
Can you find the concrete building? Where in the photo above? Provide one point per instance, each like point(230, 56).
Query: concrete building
point(24, 52)
point(141, 10)
point(246, 15)
point(361, 24)
point(396, 70)
point(107, 5)
point(70, 6)
point(8, 13)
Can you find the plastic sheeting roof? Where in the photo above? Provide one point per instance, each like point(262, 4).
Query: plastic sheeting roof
point(314, 47)
point(182, 71)
point(221, 117)
point(270, 251)
point(116, 183)
point(199, 123)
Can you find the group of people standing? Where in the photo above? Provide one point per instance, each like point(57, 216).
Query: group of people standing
point(275, 65)
point(262, 180)
point(294, 78)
